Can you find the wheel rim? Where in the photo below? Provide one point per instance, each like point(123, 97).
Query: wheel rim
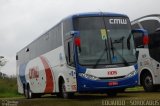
point(148, 81)
point(30, 94)
point(64, 91)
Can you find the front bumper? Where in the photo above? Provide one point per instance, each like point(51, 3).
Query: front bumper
point(87, 85)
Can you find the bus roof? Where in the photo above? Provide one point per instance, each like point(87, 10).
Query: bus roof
point(151, 15)
point(89, 14)
point(95, 14)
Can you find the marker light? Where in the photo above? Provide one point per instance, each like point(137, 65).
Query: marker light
point(133, 73)
point(87, 76)
point(145, 40)
point(77, 41)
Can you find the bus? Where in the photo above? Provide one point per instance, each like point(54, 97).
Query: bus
point(84, 53)
point(149, 56)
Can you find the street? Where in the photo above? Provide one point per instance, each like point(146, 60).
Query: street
point(134, 98)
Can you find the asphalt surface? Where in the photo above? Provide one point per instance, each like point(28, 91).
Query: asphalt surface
point(138, 98)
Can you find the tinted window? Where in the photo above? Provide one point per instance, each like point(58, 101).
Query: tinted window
point(138, 38)
point(97, 34)
point(135, 26)
point(154, 45)
point(150, 25)
point(67, 27)
point(55, 37)
point(45, 43)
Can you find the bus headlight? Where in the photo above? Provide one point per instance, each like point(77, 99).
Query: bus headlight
point(87, 76)
point(131, 74)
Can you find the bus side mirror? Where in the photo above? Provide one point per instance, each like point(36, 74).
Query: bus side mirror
point(77, 40)
point(140, 37)
point(76, 37)
point(74, 33)
point(145, 40)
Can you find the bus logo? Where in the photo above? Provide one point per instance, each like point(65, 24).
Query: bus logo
point(33, 72)
point(117, 21)
point(112, 72)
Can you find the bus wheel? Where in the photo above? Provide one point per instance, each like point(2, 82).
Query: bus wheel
point(28, 92)
point(63, 92)
point(112, 94)
point(147, 83)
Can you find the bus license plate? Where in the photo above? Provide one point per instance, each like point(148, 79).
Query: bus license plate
point(112, 83)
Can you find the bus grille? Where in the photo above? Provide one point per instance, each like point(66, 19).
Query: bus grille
point(111, 77)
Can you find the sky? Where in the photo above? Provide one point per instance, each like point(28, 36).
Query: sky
point(22, 21)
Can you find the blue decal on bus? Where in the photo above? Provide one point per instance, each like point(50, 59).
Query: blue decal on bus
point(22, 69)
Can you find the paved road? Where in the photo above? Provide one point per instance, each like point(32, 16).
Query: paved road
point(122, 99)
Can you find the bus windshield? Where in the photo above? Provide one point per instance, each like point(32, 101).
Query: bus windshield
point(104, 41)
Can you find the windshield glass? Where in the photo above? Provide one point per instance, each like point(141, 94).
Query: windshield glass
point(104, 41)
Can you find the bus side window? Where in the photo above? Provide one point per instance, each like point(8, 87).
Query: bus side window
point(69, 53)
point(138, 38)
point(16, 57)
point(154, 45)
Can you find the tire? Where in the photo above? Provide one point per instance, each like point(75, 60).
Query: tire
point(27, 92)
point(63, 93)
point(147, 82)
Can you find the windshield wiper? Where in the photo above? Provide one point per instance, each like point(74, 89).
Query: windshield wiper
point(105, 50)
point(112, 47)
point(124, 61)
point(120, 41)
point(121, 55)
point(106, 40)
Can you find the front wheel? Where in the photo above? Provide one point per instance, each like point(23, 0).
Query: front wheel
point(147, 83)
point(63, 92)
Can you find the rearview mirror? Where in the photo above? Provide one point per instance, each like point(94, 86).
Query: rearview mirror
point(144, 35)
point(74, 33)
point(77, 40)
point(140, 37)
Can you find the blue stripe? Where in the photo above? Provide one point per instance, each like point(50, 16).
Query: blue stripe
point(22, 69)
point(96, 14)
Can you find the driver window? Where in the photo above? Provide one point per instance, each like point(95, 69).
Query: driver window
point(138, 39)
point(69, 53)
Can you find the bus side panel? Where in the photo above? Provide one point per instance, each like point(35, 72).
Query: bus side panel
point(146, 63)
point(42, 73)
point(19, 83)
point(57, 61)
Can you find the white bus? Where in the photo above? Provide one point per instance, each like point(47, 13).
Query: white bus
point(149, 56)
point(88, 52)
